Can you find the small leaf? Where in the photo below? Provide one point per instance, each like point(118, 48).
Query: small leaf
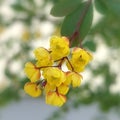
point(71, 21)
point(108, 6)
point(65, 7)
point(90, 45)
point(101, 6)
point(114, 6)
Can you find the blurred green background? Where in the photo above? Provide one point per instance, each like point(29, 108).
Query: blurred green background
point(27, 24)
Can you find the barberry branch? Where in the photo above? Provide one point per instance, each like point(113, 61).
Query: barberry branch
point(45, 67)
point(76, 32)
point(61, 62)
point(69, 63)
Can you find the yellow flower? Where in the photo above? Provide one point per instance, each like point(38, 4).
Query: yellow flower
point(53, 98)
point(77, 67)
point(32, 72)
point(82, 55)
point(75, 79)
point(32, 89)
point(80, 58)
point(43, 57)
point(49, 88)
point(67, 81)
point(54, 76)
point(59, 47)
point(63, 89)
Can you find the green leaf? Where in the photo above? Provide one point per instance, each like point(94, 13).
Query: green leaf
point(108, 6)
point(71, 22)
point(101, 6)
point(90, 45)
point(65, 7)
point(114, 6)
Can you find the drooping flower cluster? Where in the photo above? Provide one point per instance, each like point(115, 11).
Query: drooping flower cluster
point(47, 76)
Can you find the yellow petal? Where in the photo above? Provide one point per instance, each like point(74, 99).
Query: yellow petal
point(43, 57)
point(54, 76)
point(49, 88)
point(59, 47)
point(32, 89)
point(32, 72)
point(80, 58)
point(81, 55)
point(76, 79)
point(63, 89)
point(63, 99)
point(66, 40)
point(52, 98)
point(76, 65)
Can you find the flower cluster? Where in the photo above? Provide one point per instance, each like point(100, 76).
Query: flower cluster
point(47, 75)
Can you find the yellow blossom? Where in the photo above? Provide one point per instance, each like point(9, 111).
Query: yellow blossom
point(54, 76)
point(67, 81)
point(63, 89)
point(75, 65)
point(82, 55)
point(32, 89)
point(54, 81)
point(80, 58)
point(43, 57)
point(32, 72)
point(59, 47)
point(75, 78)
point(49, 88)
point(53, 98)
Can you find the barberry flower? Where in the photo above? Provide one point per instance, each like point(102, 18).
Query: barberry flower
point(56, 83)
point(49, 88)
point(43, 57)
point(32, 89)
point(32, 72)
point(56, 99)
point(80, 58)
point(74, 78)
point(63, 89)
point(54, 76)
point(59, 47)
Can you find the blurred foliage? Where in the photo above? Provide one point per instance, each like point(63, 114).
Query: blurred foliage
point(107, 28)
point(67, 8)
point(83, 25)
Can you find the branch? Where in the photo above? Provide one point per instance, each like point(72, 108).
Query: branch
point(76, 32)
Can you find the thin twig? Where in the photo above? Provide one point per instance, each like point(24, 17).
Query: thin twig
point(69, 63)
point(45, 67)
